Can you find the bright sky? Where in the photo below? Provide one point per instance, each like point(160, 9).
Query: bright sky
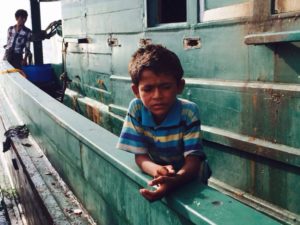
point(7, 17)
point(50, 11)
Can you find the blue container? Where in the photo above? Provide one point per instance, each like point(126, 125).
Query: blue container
point(39, 73)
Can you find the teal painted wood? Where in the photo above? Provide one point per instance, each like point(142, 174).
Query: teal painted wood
point(118, 83)
point(259, 176)
point(248, 94)
point(120, 58)
point(106, 179)
point(74, 27)
point(113, 25)
point(72, 9)
point(262, 69)
point(210, 4)
point(249, 108)
point(266, 38)
point(108, 6)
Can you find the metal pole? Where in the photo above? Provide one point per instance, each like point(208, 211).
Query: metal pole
point(36, 28)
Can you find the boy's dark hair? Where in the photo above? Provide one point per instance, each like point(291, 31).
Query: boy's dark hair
point(157, 59)
point(21, 13)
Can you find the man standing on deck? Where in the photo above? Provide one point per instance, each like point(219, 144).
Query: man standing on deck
point(18, 39)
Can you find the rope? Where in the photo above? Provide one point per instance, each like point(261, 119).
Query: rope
point(14, 70)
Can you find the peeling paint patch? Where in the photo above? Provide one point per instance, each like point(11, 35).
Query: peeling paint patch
point(93, 113)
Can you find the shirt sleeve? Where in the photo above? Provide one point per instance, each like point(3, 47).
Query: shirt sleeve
point(192, 136)
point(8, 44)
point(131, 138)
point(27, 45)
point(8, 35)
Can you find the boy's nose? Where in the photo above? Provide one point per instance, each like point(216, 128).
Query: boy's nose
point(157, 92)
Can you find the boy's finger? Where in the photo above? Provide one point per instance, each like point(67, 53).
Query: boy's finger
point(156, 181)
point(163, 171)
point(151, 195)
point(170, 169)
point(171, 173)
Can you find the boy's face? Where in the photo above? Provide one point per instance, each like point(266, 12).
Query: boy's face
point(158, 93)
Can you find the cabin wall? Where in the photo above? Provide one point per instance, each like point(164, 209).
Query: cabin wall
point(247, 88)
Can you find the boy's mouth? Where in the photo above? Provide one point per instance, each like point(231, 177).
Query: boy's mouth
point(158, 107)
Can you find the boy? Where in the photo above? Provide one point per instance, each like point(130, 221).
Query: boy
point(162, 131)
point(18, 38)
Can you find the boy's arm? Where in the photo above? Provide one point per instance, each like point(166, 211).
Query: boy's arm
point(188, 172)
point(148, 166)
point(190, 169)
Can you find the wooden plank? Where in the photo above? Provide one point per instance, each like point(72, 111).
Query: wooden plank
point(272, 37)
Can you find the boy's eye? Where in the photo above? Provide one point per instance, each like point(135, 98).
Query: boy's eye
point(161, 87)
point(165, 86)
point(147, 89)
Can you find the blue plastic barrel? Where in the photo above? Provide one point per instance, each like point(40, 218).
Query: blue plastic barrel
point(39, 73)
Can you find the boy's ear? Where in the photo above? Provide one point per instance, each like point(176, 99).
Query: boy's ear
point(180, 86)
point(135, 90)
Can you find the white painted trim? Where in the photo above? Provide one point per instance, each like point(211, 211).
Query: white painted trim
point(229, 12)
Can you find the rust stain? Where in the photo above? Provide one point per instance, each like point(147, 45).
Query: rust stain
point(275, 97)
point(74, 103)
point(275, 100)
point(279, 6)
point(103, 87)
point(251, 139)
point(101, 83)
point(93, 113)
point(261, 21)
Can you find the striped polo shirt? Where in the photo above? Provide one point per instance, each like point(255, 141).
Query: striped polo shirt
point(167, 143)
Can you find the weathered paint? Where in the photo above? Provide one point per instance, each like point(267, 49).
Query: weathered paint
point(282, 6)
point(42, 197)
point(244, 77)
point(267, 38)
point(105, 179)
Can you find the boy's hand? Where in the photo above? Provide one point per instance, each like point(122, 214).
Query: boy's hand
point(165, 185)
point(165, 171)
point(167, 180)
point(153, 195)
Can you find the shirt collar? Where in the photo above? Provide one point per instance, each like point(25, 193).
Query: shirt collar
point(172, 119)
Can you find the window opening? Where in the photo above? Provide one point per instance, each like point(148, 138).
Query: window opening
point(166, 11)
point(171, 11)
